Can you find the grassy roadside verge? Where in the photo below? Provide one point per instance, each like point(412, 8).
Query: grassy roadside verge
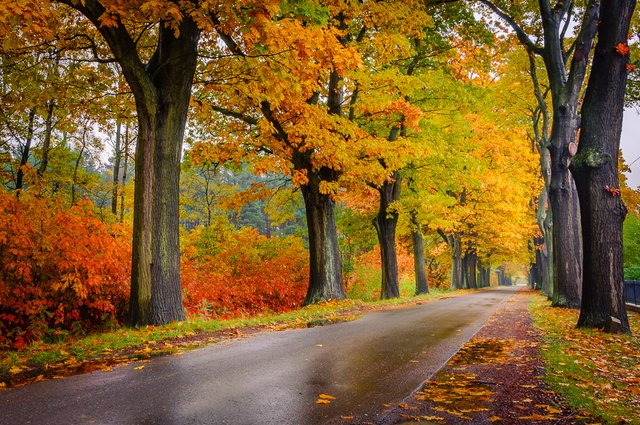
point(591, 370)
point(102, 351)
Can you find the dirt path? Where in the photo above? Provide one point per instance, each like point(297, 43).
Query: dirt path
point(495, 378)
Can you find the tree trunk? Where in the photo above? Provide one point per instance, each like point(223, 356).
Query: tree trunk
point(162, 90)
point(563, 196)
point(565, 93)
point(595, 168)
point(46, 143)
point(484, 274)
point(419, 264)
point(116, 169)
point(456, 261)
point(125, 169)
point(470, 263)
point(325, 277)
point(77, 166)
point(156, 297)
point(385, 223)
point(24, 158)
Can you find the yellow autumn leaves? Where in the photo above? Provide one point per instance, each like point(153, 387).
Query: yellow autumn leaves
point(325, 399)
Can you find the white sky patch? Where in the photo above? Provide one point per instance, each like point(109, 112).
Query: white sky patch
point(629, 143)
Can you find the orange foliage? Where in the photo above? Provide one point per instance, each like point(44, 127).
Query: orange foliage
point(64, 271)
point(60, 270)
point(243, 273)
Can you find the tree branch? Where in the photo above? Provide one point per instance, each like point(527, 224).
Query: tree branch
point(520, 33)
point(237, 115)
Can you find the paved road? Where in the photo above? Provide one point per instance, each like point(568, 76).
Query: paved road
point(269, 378)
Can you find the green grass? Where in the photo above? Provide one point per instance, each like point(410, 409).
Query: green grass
point(593, 371)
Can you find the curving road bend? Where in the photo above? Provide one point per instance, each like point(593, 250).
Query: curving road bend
point(271, 377)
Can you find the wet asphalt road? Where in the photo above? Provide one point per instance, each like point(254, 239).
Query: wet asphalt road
point(271, 377)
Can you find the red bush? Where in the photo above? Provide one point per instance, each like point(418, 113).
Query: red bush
point(246, 273)
point(60, 270)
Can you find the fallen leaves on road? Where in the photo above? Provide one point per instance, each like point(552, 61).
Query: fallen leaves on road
point(325, 399)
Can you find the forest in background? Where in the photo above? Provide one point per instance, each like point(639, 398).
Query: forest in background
point(409, 132)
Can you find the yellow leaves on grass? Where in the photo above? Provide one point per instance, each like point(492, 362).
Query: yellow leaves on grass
point(325, 399)
point(15, 369)
point(604, 367)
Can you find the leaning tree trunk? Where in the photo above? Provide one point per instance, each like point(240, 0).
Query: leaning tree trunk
point(325, 276)
point(385, 223)
point(419, 264)
point(595, 168)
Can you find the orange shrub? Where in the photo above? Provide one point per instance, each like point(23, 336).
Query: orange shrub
point(243, 273)
point(61, 270)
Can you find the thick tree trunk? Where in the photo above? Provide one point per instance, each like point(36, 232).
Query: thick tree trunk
point(419, 264)
point(563, 196)
point(116, 169)
point(325, 276)
point(26, 151)
point(162, 90)
point(156, 297)
point(595, 168)
point(385, 223)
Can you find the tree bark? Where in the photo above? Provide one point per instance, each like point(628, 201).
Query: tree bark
point(567, 252)
point(385, 223)
point(595, 168)
point(419, 264)
point(155, 291)
point(325, 277)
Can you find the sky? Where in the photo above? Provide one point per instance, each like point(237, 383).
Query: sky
point(630, 144)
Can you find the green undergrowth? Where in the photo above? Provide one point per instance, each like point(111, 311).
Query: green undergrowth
point(103, 350)
point(592, 370)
